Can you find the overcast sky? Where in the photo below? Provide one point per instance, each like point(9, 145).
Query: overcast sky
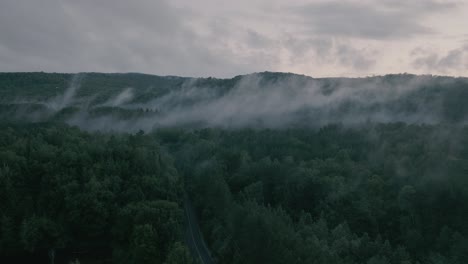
point(227, 38)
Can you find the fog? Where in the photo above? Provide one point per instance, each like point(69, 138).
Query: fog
point(262, 100)
point(68, 96)
point(122, 98)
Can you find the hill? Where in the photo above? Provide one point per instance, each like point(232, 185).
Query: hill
point(132, 101)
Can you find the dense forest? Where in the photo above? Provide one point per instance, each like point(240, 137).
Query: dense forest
point(280, 168)
point(391, 193)
point(67, 193)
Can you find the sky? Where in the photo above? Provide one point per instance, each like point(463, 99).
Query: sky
point(223, 39)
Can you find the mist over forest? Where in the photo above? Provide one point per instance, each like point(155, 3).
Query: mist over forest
point(261, 168)
point(234, 132)
point(132, 102)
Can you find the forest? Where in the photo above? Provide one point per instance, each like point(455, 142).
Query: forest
point(98, 168)
point(67, 193)
point(391, 193)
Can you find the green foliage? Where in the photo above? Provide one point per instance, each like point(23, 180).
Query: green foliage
point(67, 190)
point(388, 193)
point(373, 193)
point(179, 254)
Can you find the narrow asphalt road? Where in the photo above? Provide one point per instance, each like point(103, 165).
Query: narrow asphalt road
point(193, 235)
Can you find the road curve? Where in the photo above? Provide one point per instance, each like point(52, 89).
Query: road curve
point(193, 235)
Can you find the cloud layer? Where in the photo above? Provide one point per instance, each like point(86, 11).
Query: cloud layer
point(206, 38)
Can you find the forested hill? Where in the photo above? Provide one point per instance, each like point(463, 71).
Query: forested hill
point(130, 102)
point(279, 168)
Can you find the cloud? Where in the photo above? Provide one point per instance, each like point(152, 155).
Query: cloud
point(357, 59)
point(455, 59)
point(122, 36)
point(204, 38)
point(331, 51)
point(369, 19)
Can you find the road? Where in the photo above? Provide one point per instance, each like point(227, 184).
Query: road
point(193, 235)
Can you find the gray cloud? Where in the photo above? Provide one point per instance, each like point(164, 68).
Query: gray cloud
point(257, 40)
point(203, 38)
point(331, 51)
point(357, 59)
point(453, 59)
point(370, 20)
point(142, 35)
